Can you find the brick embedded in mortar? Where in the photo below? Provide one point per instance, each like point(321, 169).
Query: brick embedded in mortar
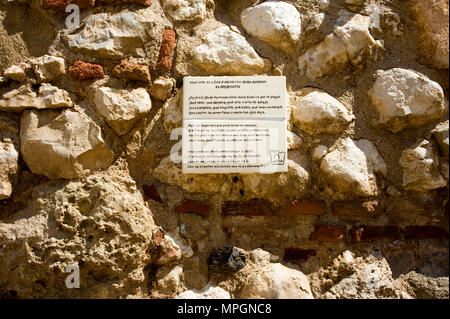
point(372, 233)
point(60, 5)
point(253, 207)
point(306, 207)
point(167, 50)
point(86, 71)
point(294, 254)
point(425, 232)
point(194, 207)
point(150, 192)
point(328, 233)
point(357, 208)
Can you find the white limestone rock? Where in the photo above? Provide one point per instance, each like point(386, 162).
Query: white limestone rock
point(319, 152)
point(351, 167)
point(172, 248)
point(172, 114)
point(48, 67)
point(122, 108)
point(277, 23)
point(294, 182)
point(275, 281)
point(24, 97)
point(161, 88)
point(316, 112)
point(185, 10)
point(209, 292)
point(294, 141)
point(17, 72)
point(115, 36)
point(349, 45)
point(225, 52)
point(404, 98)
point(62, 145)
point(421, 168)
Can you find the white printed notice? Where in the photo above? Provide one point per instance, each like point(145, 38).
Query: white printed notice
point(234, 124)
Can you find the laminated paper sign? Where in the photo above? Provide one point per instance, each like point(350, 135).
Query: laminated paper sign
point(234, 124)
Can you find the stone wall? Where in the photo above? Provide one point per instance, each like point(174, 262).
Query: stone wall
point(86, 116)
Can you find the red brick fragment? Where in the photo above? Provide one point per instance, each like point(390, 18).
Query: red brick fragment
point(131, 71)
point(194, 207)
point(254, 207)
point(60, 5)
point(306, 207)
point(294, 254)
point(328, 233)
point(371, 233)
point(357, 208)
point(425, 232)
point(150, 192)
point(86, 71)
point(167, 50)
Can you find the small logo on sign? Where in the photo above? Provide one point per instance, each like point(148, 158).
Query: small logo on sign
point(277, 157)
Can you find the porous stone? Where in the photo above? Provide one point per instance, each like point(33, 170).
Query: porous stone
point(226, 260)
point(350, 44)
point(17, 72)
point(420, 167)
point(62, 145)
point(169, 280)
point(185, 10)
point(404, 98)
point(84, 71)
point(9, 156)
point(432, 17)
point(48, 67)
point(441, 136)
point(351, 167)
point(161, 88)
point(113, 36)
point(209, 292)
point(277, 23)
point(122, 108)
point(352, 277)
point(99, 224)
point(225, 52)
point(132, 71)
point(316, 112)
point(419, 286)
point(24, 97)
point(275, 281)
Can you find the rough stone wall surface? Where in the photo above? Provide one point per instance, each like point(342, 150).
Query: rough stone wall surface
point(86, 179)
